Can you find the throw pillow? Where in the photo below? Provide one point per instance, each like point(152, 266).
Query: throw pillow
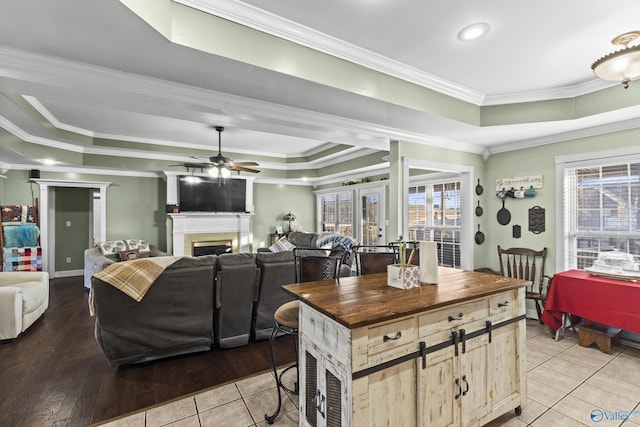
point(128, 255)
point(281, 245)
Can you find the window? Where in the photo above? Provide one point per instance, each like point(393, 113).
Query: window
point(601, 212)
point(434, 215)
point(336, 210)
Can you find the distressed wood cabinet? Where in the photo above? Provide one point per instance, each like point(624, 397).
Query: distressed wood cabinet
point(445, 355)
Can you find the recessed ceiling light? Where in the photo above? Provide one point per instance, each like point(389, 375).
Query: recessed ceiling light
point(48, 162)
point(473, 31)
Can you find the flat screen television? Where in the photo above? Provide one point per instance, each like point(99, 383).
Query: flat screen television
point(209, 195)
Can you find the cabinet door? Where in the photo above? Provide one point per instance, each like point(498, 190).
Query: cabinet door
point(474, 379)
point(387, 397)
point(505, 364)
point(324, 398)
point(439, 394)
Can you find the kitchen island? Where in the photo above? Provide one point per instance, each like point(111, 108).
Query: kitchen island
point(451, 354)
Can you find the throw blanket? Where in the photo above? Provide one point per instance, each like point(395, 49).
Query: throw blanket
point(134, 278)
point(335, 239)
point(20, 235)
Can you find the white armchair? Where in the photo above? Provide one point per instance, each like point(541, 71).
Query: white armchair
point(24, 297)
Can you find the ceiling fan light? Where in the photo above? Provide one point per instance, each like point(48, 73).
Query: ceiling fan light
point(225, 172)
point(214, 172)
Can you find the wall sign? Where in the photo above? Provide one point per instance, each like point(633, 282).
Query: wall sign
point(534, 181)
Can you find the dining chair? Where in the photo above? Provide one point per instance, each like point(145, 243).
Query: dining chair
point(310, 268)
point(527, 264)
point(374, 259)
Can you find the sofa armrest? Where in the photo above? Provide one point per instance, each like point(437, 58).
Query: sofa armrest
point(17, 277)
point(94, 262)
point(10, 311)
point(154, 251)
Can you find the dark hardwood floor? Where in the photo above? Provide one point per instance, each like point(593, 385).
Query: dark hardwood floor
point(54, 374)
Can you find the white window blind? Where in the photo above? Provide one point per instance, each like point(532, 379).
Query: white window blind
point(601, 212)
point(434, 215)
point(337, 213)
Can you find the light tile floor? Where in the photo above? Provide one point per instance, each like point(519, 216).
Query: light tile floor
point(567, 385)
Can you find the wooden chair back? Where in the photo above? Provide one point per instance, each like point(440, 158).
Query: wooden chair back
point(527, 264)
point(374, 259)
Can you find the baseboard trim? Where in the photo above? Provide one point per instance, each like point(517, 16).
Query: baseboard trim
point(68, 273)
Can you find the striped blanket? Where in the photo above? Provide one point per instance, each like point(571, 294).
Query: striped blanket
point(134, 277)
point(335, 239)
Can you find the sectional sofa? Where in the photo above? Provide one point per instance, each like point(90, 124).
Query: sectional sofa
point(196, 303)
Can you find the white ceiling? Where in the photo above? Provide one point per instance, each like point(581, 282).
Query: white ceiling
point(95, 68)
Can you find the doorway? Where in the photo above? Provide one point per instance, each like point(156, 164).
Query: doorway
point(371, 205)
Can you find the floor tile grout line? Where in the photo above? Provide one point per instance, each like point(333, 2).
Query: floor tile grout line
point(583, 382)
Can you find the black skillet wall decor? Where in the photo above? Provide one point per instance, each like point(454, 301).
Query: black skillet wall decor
point(536, 220)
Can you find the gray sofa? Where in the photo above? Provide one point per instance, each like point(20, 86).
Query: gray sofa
point(174, 317)
point(95, 261)
point(195, 303)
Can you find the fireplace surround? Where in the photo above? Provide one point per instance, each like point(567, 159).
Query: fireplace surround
point(189, 228)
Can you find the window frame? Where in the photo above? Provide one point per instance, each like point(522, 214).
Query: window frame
point(565, 222)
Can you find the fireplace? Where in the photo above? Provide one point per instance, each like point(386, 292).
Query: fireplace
point(211, 247)
point(189, 228)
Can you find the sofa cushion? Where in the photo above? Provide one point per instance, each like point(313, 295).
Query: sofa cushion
point(302, 240)
point(32, 296)
point(264, 257)
point(236, 259)
point(281, 245)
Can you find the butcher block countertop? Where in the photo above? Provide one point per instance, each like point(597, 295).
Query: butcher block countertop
point(364, 300)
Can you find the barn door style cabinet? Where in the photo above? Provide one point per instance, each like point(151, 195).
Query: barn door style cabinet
point(444, 355)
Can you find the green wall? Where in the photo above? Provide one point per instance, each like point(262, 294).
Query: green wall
point(535, 161)
point(135, 204)
point(72, 221)
point(272, 201)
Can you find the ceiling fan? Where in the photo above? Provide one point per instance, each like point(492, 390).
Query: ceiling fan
point(220, 165)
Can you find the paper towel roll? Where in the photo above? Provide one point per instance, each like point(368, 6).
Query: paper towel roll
point(429, 263)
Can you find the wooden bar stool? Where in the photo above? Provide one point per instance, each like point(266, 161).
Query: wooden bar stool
point(286, 323)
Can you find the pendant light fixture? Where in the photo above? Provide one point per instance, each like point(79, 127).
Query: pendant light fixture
point(622, 65)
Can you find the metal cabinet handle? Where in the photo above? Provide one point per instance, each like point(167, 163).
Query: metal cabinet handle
point(459, 393)
point(392, 338)
point(503, 304)
point(460, 316)
point(321, 405)
point(464, 378)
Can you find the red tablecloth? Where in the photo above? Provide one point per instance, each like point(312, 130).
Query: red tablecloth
point(608, 301)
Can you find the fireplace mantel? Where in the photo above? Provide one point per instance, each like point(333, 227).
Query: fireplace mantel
point(191, 226)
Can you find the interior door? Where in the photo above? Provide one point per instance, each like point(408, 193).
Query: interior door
point(372, 216)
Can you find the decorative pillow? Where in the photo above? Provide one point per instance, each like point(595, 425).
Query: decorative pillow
point(140, 245)
point(282, 245)
point(13, 215)
point(111, 247)
point(128, 255)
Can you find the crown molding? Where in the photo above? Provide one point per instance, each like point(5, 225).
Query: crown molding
point(266, 22)
point(604, 129)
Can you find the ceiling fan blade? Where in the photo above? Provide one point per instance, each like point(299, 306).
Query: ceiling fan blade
point(196, 165)
point(242, 169)
point(245, 163)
